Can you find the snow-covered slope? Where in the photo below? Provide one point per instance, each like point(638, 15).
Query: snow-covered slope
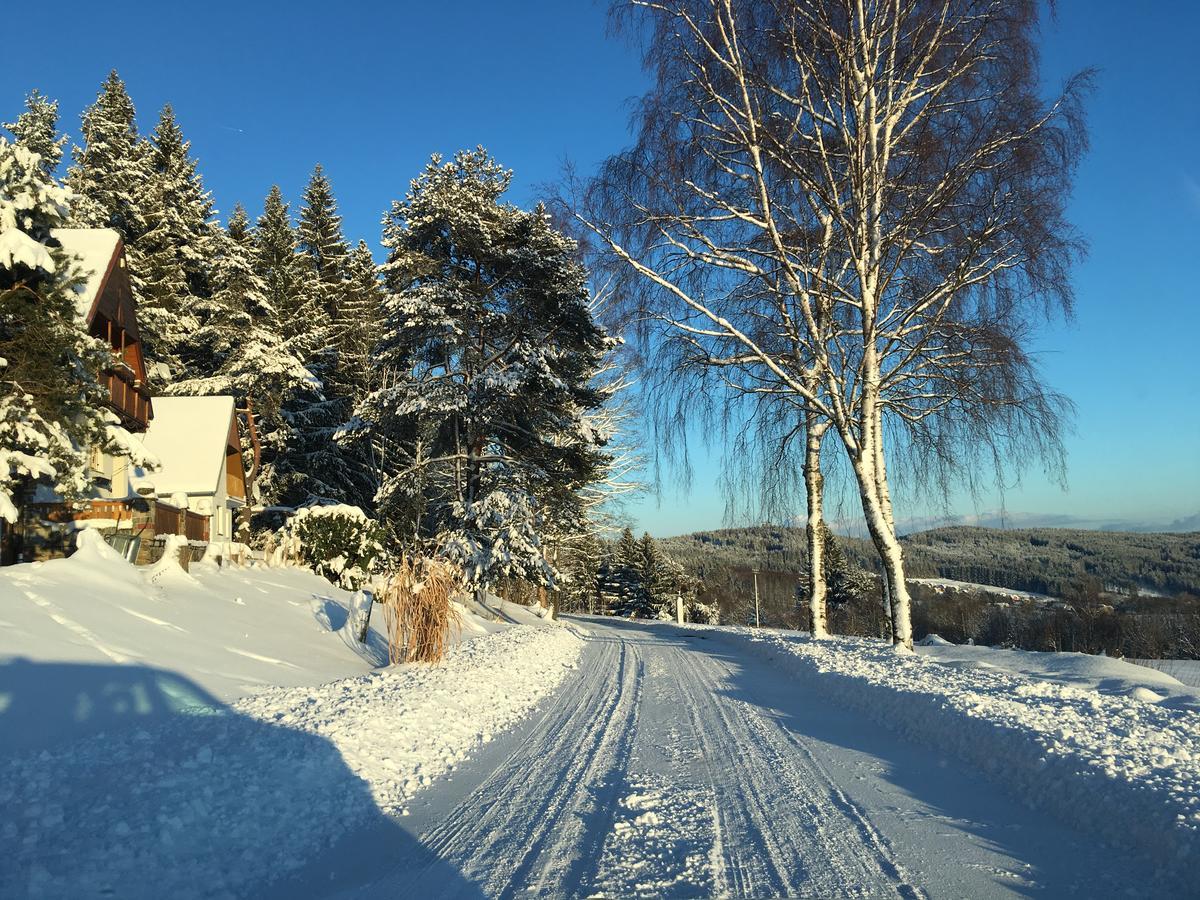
point(123, 771)
point(229, 632)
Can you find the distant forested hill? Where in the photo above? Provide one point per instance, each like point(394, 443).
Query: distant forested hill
point(1044, 560)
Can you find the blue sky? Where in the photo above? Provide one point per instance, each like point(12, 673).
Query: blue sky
point(371, 90)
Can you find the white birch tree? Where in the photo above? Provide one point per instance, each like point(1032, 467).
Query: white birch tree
point(856, 209)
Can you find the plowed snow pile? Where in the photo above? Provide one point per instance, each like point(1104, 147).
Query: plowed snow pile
point(1110, 747)
point(122, 775)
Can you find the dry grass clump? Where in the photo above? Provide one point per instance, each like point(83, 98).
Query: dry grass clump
point(416, 603)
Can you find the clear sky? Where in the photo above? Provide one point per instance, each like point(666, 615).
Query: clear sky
point(371, 90)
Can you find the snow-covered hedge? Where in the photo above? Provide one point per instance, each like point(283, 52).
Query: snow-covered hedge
point(338, 542)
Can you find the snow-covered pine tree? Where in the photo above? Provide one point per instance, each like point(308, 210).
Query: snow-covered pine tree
point(174, 251)
point(657, 578)
point(110, 170)
point(334, 470)
point(247, 356)
point(52, 406)
point(322, 245)
point(36, 129)
point(846, 584)
point(358, 323)
point(621, 581)
point(277, 262)
point(484, 370)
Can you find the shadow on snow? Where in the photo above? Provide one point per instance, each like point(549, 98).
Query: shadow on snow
point(129, 781)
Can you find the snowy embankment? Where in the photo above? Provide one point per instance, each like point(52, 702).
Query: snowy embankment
point(121, 774)
point(1089, 738)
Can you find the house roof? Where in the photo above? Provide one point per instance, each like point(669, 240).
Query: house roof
point(95, 248)
point(188, 435)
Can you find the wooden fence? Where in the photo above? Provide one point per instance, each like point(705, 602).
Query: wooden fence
point(172, 520)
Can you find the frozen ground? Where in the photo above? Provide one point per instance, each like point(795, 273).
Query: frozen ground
point(123, 774)
point(600, 757)
point(694, 762)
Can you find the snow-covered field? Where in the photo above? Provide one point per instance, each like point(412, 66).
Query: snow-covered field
point(1112, 747)
point(221, 733)
point(123, 773)
point(949, 584)
point(1185, 670)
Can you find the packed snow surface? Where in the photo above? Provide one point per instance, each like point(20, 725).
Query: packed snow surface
point(1111, 746)
point(123, 773)
point(598, 757)
point(684, 762)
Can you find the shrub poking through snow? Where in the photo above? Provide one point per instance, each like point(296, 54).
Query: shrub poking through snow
point(338, 542)
point(417, 607)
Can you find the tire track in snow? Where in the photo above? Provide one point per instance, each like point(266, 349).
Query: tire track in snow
point(538, 820)
point(785, 827)
point(81, 631)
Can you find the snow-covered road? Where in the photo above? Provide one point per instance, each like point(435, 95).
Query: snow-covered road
point(674, 762)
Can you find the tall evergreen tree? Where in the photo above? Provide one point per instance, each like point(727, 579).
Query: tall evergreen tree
point(358, 322)
point(110, 168)
point(278, 264)
point(246, 356)
point(485, 363)
point(322, 244)
point(174, 251)
point(36, 129)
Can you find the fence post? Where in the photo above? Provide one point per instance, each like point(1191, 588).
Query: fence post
point(368, 599)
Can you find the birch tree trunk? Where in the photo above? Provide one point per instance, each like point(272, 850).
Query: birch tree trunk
point(814, 484)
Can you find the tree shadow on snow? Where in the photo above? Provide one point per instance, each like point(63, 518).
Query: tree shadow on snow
point(1048, 858)
point(131, 782)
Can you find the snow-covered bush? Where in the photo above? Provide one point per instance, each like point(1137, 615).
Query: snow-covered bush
point(498, 538)
point(338, 542)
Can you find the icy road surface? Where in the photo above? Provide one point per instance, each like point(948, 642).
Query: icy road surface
point(674, 763)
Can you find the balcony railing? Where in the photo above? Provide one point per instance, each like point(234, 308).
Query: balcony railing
point(128, 397)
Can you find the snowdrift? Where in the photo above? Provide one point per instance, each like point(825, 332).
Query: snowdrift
point(1110, 747)
point(126, 770)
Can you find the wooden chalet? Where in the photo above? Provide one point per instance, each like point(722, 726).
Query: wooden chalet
point(197, 434)
point(105, 302)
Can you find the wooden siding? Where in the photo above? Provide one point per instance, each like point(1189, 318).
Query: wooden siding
point(196, 526)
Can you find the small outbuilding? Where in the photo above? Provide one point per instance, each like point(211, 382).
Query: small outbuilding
point(202, 476)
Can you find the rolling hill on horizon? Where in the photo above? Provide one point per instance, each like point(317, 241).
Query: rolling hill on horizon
point(1053, 561)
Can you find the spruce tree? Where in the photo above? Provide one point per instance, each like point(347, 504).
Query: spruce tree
point(174, 251)
point(239, 351)
point(278, 264)
point(36, 130)
point(110, 168)
point(358, 325)
point(322, 244)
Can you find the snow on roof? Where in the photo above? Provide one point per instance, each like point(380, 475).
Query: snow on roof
point(94, 247)
point(188, 435)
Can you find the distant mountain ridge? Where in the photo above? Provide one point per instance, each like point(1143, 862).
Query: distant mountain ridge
point(1006, 520)
point(1053, 561)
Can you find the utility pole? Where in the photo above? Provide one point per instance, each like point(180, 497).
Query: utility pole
point(756, 619)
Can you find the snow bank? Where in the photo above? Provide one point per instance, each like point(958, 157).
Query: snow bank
point(220, 801)
point(126, 771)
point(1118, 764)
point(231, 631)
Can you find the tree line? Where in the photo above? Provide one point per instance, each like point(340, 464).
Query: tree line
point(459, 392)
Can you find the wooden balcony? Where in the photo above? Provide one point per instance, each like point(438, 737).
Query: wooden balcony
point(128, 398)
